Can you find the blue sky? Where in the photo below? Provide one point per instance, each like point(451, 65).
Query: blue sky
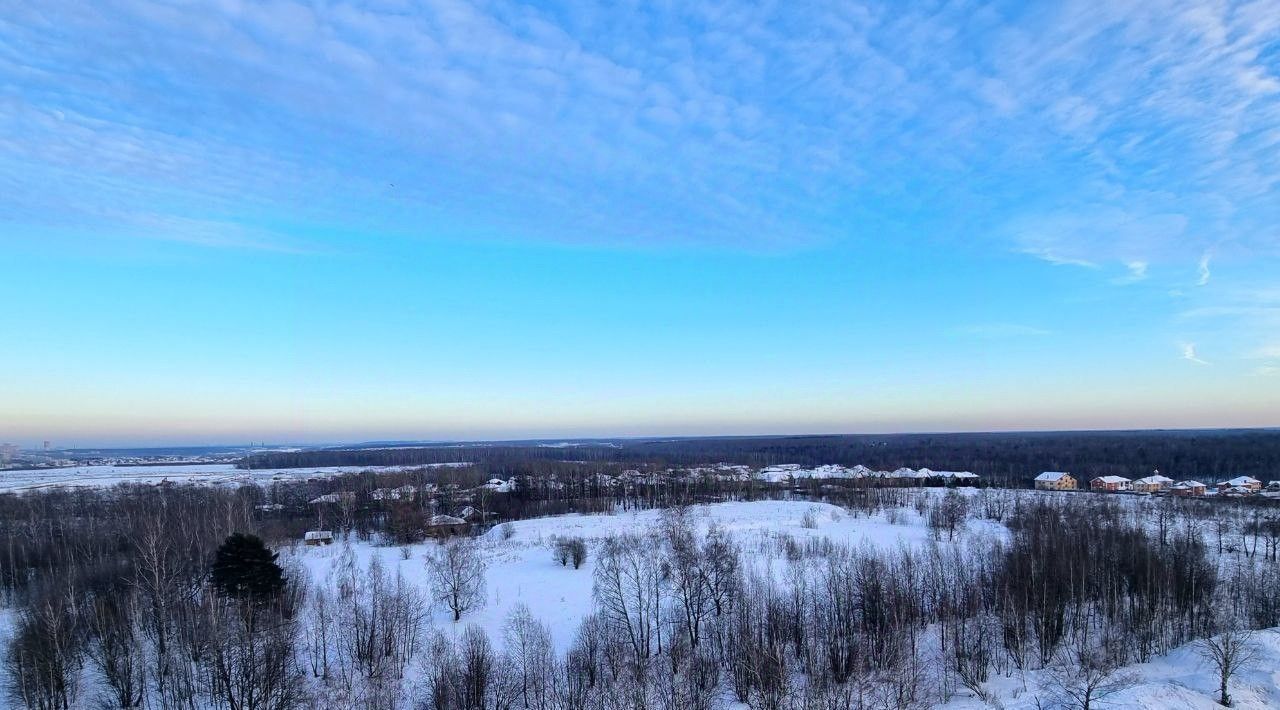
point(305, 221)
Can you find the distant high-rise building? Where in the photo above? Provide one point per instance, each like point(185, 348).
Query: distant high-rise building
point(48, 444)
point(8, 452)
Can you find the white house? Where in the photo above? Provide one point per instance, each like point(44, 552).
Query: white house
point(1248, 483)
point(1111, 484)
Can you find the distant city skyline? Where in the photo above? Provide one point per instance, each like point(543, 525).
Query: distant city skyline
point(306, 222)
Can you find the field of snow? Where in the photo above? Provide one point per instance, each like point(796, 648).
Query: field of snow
point(1178, 680)
point(218, 474)
point(520, 569)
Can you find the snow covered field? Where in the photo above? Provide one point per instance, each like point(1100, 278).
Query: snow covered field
point(1177, 680)
point(521, 571)
point(210, 474)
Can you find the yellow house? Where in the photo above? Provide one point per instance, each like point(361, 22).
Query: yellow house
point(1153, 484)
point(1055, 481)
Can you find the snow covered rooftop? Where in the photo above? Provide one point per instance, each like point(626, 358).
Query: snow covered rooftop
point(1112, 479)
point(1243, 481)
point(1052, 476)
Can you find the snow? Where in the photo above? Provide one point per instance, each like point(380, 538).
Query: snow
point(782, 473)
point(1052, 476)
point(521, 571)
point(208, 474)
point(1178, 679)
point(521, 568)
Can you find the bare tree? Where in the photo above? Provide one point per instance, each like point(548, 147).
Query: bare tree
point(577, 552)
point(457, 571)
point(566, 550)
point(685, 572)
point(1084, 679)
point(44, 656)
point(1228, 652)
point(115, 650)
point(628, 589)
point(722, 567)
point(530, 657)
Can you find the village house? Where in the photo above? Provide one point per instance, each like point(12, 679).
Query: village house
point(443, 526)
point(1055, 481)
point(316, 538)
point(1152, 484)
point(334, 498)
point(1188, 488)
point(1110, 484)
point(405, 492)
point(1248, 483)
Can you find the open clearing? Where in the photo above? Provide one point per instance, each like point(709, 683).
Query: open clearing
point(521, 570)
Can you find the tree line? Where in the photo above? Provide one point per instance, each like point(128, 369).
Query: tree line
point(160, 597)
point(1007, 459)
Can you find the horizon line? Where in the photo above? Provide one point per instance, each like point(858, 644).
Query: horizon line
point(428, 443)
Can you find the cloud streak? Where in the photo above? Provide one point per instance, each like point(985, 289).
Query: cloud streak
point(1189, 354)
point(1202, 269)
point(738, 125)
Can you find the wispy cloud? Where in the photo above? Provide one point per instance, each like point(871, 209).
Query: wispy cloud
point(1203, 269)
point(1258, 308)
point(1089, 238)
point(1189, 353)
point(1057, 259)
point(1151, 125)
point(1137, 272)
point(1270, 351)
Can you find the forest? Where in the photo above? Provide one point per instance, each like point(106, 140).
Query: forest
point(198, 597)
point(1008, 459)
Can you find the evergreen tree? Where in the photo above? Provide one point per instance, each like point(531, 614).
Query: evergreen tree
point(245, 568)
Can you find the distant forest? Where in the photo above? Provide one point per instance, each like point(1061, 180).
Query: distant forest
point(1002, 459)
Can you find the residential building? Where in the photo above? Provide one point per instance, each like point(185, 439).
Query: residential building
point(318, 537)
point(1188, 488)
point(1055, 481)
point(447, 526)
point(1152, 484)
point(340, 497)
point(1110, 484)
point(1248, 483)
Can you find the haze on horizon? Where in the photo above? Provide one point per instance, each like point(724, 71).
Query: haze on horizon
point(306, 221)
